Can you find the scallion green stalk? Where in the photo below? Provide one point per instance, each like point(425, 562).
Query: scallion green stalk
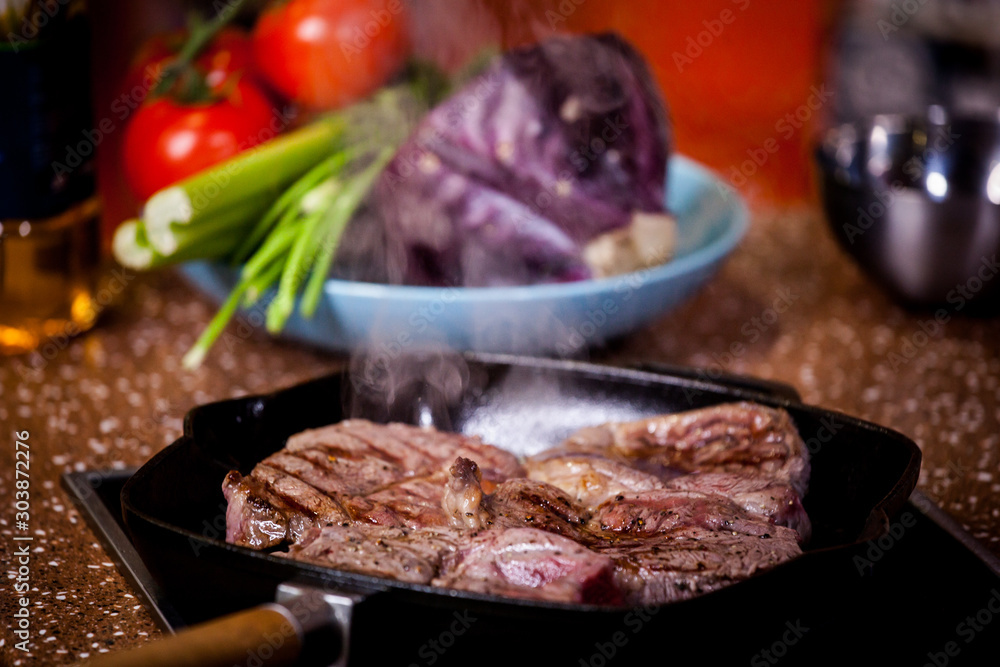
point(260, 174)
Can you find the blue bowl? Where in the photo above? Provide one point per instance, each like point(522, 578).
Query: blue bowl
point(559, 319)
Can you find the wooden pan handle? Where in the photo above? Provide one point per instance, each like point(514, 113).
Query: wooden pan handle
point(265, 635)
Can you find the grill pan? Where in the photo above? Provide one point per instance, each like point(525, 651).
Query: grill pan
point(173, 506)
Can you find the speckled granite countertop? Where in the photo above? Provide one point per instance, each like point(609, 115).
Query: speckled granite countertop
point(114, 397)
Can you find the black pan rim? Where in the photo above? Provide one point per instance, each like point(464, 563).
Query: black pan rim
point(372, 584)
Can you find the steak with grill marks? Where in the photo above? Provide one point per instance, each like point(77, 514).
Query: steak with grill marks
point(690, 561)
point(406, 555)
point(589, 479)
point(734, 437)
point(777, 502)
point(644, 512)
point(531, 563)
point(352, 471)
point(665, 510)
point(516, 503)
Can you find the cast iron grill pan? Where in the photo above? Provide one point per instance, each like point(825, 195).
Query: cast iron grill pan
point(175, 511)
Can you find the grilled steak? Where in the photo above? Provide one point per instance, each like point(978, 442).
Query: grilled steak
point(666, 510)
point(516, 503)
point(692, 561)
point(527, 562)
point(756, 494)
point(412, 556)
point(352, 471)
point(589, 479)
point(644, 512)
point(269, 506)
point(735, 437)
point(414, 504)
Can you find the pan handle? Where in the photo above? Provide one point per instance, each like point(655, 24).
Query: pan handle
point(773, 388)
point(272, 634)
point(268, 631)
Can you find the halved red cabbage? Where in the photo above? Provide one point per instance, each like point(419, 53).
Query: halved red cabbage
point(511, 178)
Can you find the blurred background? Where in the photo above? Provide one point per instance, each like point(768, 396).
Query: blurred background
point(731, 70)
point(754, 89)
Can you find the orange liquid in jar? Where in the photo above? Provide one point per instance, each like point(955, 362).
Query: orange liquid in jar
point(48, 271)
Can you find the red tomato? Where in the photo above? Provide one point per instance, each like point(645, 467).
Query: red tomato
point(328, 53)
point(229, 53)
point(166, 142)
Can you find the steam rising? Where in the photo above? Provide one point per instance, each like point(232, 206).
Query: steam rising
point(576, 186)
point(420, 387)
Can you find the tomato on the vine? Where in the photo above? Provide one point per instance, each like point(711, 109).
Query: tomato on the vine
point(229, 54)
point(166, 141)
point(328, 53)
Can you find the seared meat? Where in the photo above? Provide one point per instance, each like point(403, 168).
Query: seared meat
point(756, 494)
point(414, 504)
point(644, 512)
point(666, 510)
point(735, 437)
point(463, 496)
point(352, 471)
point(527, 503)
point(516, 503)
point(589, 479)
point(399, 451)
point(269, 507)
point(526, 562)
point(692, 561)
point(412, 556)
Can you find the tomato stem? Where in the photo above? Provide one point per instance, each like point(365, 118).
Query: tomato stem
point(181, 66)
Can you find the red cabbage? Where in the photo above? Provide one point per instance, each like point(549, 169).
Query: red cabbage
point(509, 180)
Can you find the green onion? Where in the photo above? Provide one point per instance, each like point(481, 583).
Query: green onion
point(131, 247)
point(259, 174)
point(352, 197)
point(278, 211)
point(285, 202)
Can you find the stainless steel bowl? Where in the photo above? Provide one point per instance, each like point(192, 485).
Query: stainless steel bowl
point(916, 202)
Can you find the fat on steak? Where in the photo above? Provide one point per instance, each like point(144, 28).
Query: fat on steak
point(589, 479)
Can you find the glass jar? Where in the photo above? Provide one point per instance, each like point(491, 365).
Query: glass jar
point(49, 213)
